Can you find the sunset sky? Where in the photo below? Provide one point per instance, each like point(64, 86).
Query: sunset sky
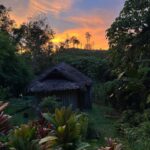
point(70, 17)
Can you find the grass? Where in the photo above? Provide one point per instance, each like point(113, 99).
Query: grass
point(103, 124)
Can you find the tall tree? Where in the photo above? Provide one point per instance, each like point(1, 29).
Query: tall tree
point(6, 23)
point(35, 37)
point(88, 38)
point(14, 73)
point(129, 35)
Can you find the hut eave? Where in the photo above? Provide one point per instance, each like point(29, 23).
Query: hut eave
point(52, 85)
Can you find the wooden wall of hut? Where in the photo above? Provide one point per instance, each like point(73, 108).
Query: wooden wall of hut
point(78, 99)
point(68, 98)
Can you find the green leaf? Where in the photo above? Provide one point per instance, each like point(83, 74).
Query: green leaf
point(47, 139)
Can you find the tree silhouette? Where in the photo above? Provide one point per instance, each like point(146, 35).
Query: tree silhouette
point(88, 38)
point(35, 37)
point(75, 41)
point(6, 24)
point(67, 43)
point(129, 35)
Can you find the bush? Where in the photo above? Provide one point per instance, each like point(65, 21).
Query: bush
point(99, 93)
point(127, 94)
point(91, 63)
point(4, 126)
point(138, 137)
point(112, 144)
point(4, 119)
point(50, 104)
point(24, 138)
point(4, 93)
point(69, 128)
point(14, 74)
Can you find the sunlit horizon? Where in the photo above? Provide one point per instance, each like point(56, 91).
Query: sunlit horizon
point(70, 17)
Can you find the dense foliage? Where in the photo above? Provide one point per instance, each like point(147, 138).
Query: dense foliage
point(34, 39)
point(6, 23)
point(123, 81)
point(129, 93)
point(129, 35)
point(14, 74)
point(92, 63)
point(69, 129)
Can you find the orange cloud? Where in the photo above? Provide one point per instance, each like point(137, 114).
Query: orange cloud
point(53, 6)
point(91, 22)
point(23, 10)
point(85, 23)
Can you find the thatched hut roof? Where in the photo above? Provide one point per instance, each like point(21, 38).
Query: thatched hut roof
point(59, 78)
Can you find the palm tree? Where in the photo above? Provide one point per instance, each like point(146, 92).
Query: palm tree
point(67, 42)
point(75, 41)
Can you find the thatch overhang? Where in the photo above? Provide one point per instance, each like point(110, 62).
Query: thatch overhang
point(53, 85)
point(59, 78)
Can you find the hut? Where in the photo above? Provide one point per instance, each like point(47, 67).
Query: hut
point(68, 84)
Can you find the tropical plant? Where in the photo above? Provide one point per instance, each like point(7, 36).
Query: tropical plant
point(4, 119)
point(24, 138)
point(75, 41)
point(42, 127)
point(4, 126)
point(112, 144)
point(138, 137)
point(67, 130)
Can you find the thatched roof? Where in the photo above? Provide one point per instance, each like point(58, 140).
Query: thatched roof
point(59, 78)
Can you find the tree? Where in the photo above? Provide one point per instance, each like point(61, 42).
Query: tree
point(67, 42)
point(35, 37)
point(77, 42)
point(6, 24)
point(14, 73)
point(88, 38)
point(129, 35)
point(74, 40)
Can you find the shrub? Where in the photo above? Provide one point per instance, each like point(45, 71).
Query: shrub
point(126, 94)
point(138, 137)
point(4, 93)
point(24, 138)
point(50, 104)
point(68, 130)
point(4, 126)
point(4, 119)
point(91, 63)
point(112, 144)
point(131, 117)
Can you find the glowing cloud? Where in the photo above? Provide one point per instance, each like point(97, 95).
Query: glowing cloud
point(98, 39)
point(70, 17)
point(24, 9)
